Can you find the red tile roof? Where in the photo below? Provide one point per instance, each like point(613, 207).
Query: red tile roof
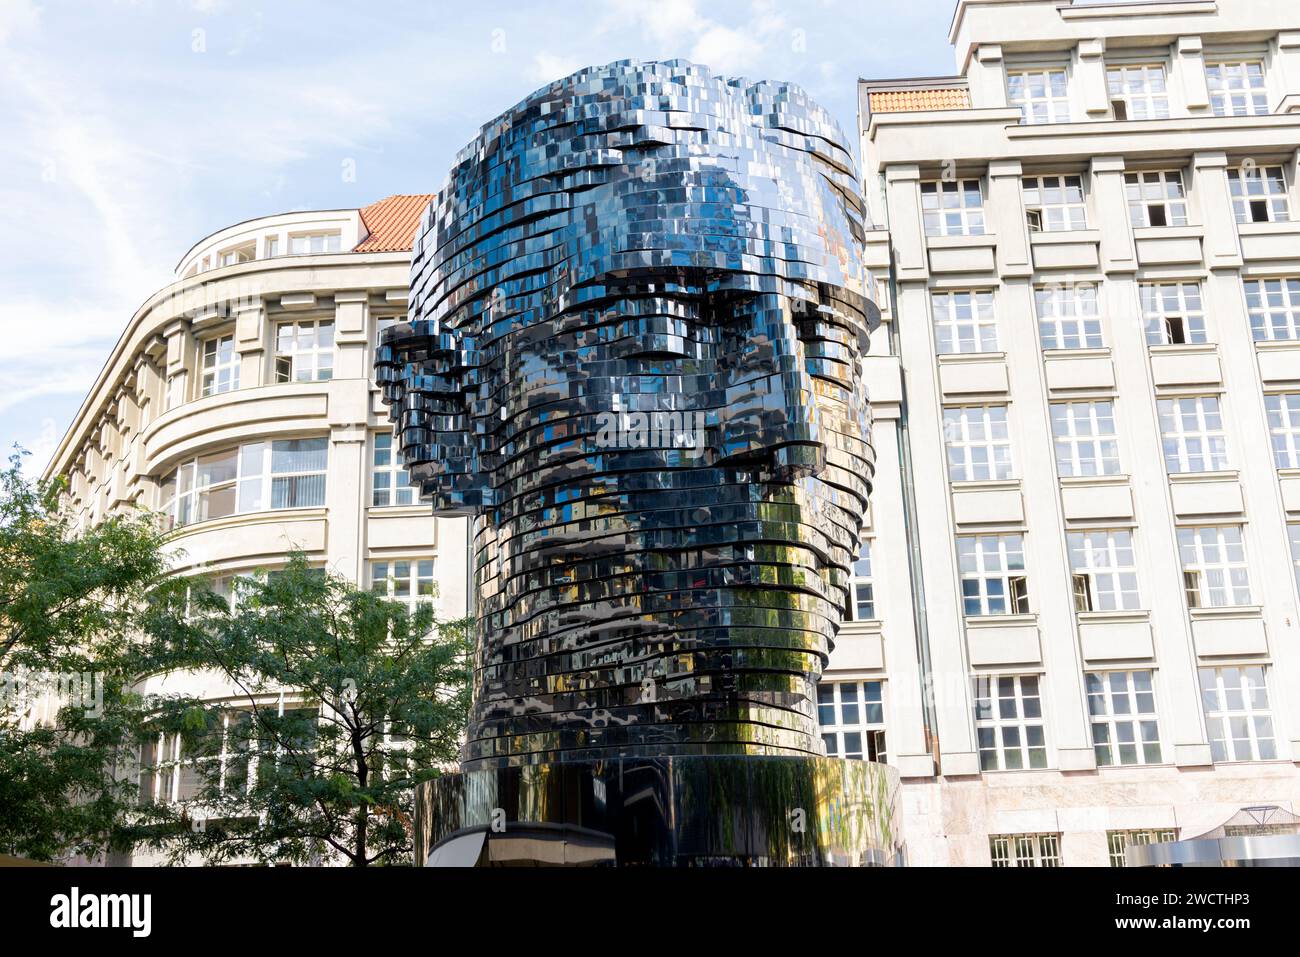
point(391, 223)
point(910, 101)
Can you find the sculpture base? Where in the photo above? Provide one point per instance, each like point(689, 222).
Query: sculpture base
point(689, 811)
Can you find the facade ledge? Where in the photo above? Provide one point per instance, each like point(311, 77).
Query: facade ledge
point(992, 485)
point(1221, 612)
point(1086, 481)
point(1184, 348)
point(1277, 345)
point(1198, 478)
point(1064, 237)
point(967, 358)
point(241, 519)
point(978, 622)
point(1062, 354)
point(1168, 232)
point(961, 242)
point(1120, 615)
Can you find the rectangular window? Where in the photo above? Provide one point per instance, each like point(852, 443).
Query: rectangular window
point(1121, 841)
point(1192, 436)
point(219, 365)
point(1043, 96)
point(979, 443)
point(1215, 573)
point(1103, 560)
point(1293, 536)
point(313, 243)
point(993, 575)
point(1259, 194)
point(1085, 438)
point(1237, 714)
point(1284, 428)
point(863, 604)
point(1237, 87)
point(1068, 316)
point(1274, 307)
point(390, 483)
point(1009, 722)
point(1138, 92)
point(1058, 201)
point(272, 246)
point(286, 473)
point(304, 351)
point(1172, 312)
point(245, 253)
point(1122, 711)
point(1025, 850)
point(851, 715)
point(1156, 198)
point(964, 321)
point(952, 207)
point(409, 581)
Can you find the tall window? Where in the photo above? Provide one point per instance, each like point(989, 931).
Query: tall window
point(1293, 536)
point(993, 575)
point(1172, 312)
point(1156, 198)
point(1259, 194)
point(1215, 573)
point(952, 207)
point(1191, 430)
point(219, 364)
point(409, 581)
point(1043, 96)
point(964, 321)
point(1122, 711)
point(1025, 850)
point(1284, 428)
point(1105, 573)
point(1121, 841)
point(864, 591)
point(1068, 316)
point(1237, 714)
point(311, 243)
point(852, 719)
point(979, 443)
point(390, 484)
point(1274, 307)
point(304, 351)
point(1085, 438)
point(1237, 88)
point(1055, 203)
point(1009, 722)
point(286, 473)
point(1138, 92)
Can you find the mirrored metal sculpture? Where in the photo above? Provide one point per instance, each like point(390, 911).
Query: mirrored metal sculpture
point(638, 307)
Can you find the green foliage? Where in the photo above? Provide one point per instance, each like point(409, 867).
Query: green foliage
point(344, 702)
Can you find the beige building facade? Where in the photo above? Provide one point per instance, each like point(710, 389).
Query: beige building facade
point(1078, 624)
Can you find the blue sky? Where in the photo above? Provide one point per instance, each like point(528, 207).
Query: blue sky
point(130, 129)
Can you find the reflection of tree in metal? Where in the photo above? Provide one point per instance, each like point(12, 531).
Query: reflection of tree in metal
point(635, 247)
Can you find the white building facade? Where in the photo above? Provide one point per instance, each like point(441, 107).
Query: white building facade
point(1078, 623)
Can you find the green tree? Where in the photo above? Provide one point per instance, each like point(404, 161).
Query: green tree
point(344, 702)
point(67, 603)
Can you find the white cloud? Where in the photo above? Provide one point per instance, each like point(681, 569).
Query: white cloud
point(548, 67)
point(678, 28)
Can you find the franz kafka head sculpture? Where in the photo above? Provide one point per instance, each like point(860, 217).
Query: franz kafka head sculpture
point(637, 310)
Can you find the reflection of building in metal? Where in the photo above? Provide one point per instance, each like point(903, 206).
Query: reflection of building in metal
point(1266, 836)
point(634, 245)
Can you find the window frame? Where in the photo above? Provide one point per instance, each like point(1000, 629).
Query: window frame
point(1066, 221)
point(1040, 849)
point(1062, 313)
point(1117, 701)
point(1219, 713)
point(1057, 107)
point(1199, 587)
point(996, 747)
point(868, 694)
point(293, 352)
point(946, 306)
point(1182, 300)
point(961, 443)
point(397, 480)
point(1207, 443)
point(1098, 556)
point(1221, 95)
point(1155, 102)
point(214, 371)
point(980, 567)
point(1263, 310)
point(1106, 443)
point(1173, 208)
point(1274, 202)
point(962, 219)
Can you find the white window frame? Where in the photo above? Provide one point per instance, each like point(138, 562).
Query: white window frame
point(964, 321)
point(1293, 539)
point(993, 578)
point(388, 479)
point(253, 483)
point(862, 601)
point(219, 363)
point(1069, 315)
point(316, 242)
point(1173, 313)
point(412, 581)
point(1059, 200)
point(1216, 568)
point(1283, 412)
point(1025, 850)
point(1124, 717)
point(953, 207)
point(1260, 194)
point(1104, 566)
point(1052, 105)
point(1083, 433)
point(1143, 88)
point(307, 353)
point(1273, 305)
point(1009, 712)
point(1158, 188)
point(1238, 717)
point(1118, 842)
point(977, 440)
point(1192, 435)
point(846, 708)
point(1232, 86)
